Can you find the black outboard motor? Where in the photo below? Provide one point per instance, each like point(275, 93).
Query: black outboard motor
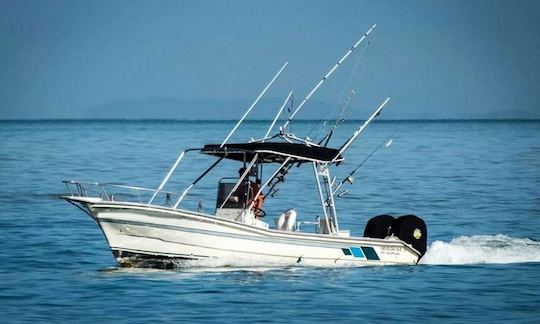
point(379, 226)
point(413, 230)
point(409, 228)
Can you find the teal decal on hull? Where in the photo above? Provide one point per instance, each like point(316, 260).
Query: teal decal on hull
point(346, 251)
point(365, 252)
point(357, 252)
point(370, 253)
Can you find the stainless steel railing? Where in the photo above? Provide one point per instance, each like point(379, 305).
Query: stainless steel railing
point(118, 192)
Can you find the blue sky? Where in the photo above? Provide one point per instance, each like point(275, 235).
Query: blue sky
point(436, 59)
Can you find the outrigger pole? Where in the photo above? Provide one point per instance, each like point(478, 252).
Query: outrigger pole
point(327, 76)
point(254, 103)
point(277, 115)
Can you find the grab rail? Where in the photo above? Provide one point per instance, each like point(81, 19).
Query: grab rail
point(106, 191)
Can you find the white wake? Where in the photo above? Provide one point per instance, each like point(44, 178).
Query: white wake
point(483, 249)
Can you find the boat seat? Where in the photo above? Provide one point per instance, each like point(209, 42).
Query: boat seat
point(286, 221)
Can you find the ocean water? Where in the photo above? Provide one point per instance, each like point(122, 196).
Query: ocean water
point(475, 183)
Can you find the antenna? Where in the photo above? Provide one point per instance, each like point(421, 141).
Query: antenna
point(254, 103)
point(327, 76)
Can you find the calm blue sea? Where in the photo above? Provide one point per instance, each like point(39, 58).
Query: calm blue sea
point(476, 184)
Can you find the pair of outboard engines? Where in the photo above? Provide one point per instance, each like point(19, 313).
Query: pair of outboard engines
point(408, 228)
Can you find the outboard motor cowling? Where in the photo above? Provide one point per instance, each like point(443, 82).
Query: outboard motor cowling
point(413, 230)
point(379, 226)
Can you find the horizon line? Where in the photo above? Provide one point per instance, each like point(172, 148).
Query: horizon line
point(258, 120)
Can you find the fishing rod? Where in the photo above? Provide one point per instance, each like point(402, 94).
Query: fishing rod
point(281, 176)
point(349, 178)
point(327, 76)
point(277, 179)
point(359, 131)
point(343, 148)
point(340, 119)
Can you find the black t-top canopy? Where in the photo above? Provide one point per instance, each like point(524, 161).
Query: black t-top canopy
point(270, 152)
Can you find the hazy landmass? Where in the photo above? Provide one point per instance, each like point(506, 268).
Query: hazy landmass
point(232, 109)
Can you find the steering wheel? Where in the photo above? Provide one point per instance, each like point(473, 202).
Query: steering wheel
point(259, 212)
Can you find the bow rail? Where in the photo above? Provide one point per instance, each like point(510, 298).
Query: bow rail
point(117, 192)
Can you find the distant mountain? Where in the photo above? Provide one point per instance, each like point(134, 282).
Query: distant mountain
point(207, 109)
point(223, 109)
point(233, 109)
point(508, 114)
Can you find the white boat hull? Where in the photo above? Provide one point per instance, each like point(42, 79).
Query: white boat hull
point(143, 235)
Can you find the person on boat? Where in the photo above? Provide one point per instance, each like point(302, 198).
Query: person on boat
point(248, 189)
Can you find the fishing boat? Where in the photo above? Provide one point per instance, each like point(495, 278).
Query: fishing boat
point(161, 232)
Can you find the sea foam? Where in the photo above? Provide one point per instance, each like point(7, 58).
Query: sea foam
point(478, 249)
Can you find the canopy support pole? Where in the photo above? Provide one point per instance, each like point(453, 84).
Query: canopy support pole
point(330, 197)
point(195, 182)
point(246, 172)
point(321, 197)
point(167, 176)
